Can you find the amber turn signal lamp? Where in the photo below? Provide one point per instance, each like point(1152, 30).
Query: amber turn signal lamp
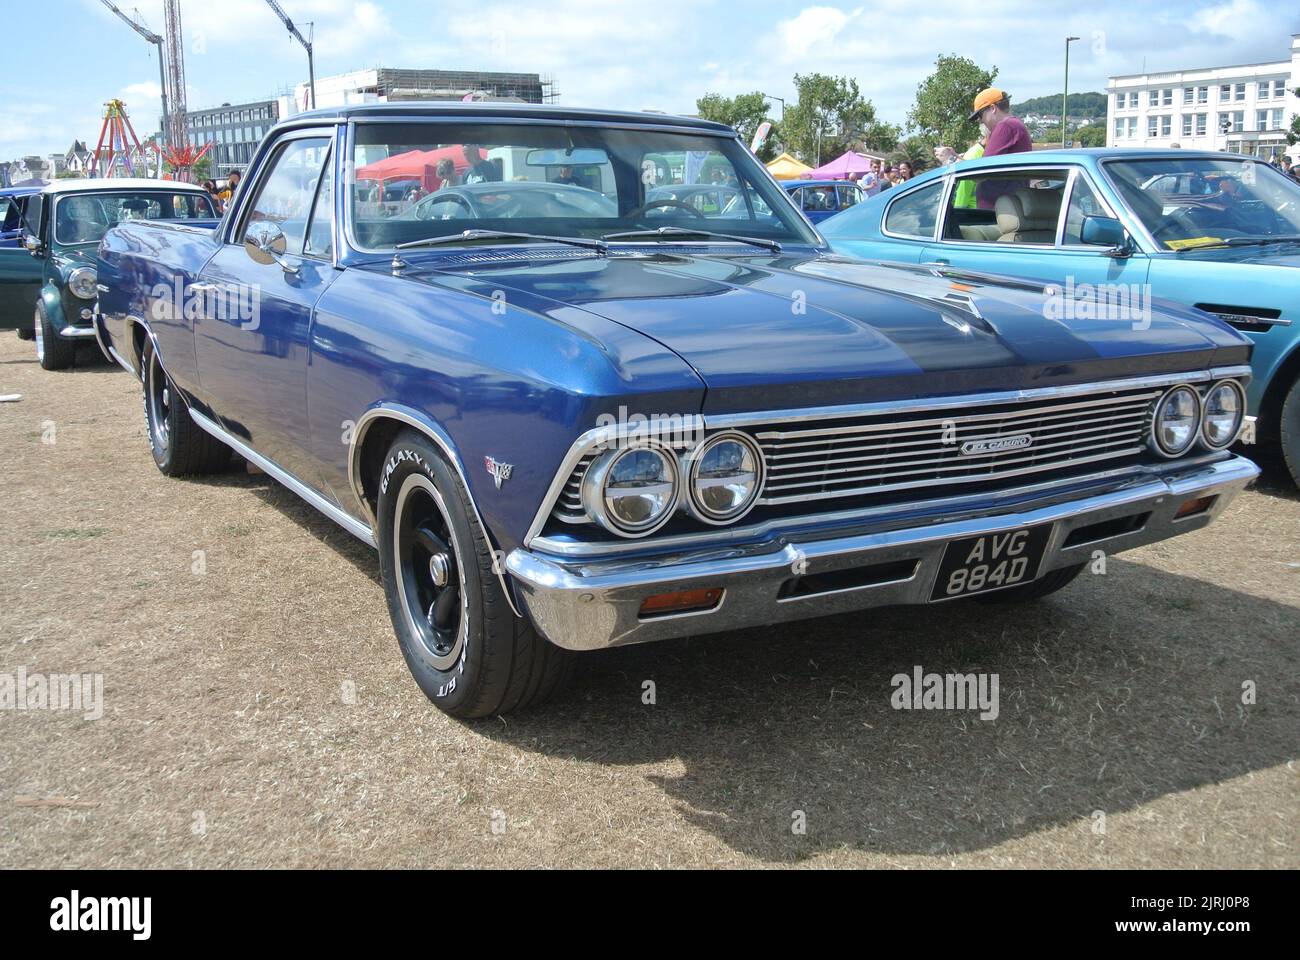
point(681, 601)
point(1192, 507)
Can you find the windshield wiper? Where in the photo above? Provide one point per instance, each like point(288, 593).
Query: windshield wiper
point(1262, 239)
point(678, 233)
point(1258, 241)
point(467, 236)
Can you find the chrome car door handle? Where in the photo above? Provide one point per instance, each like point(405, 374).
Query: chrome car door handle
point(203, 287)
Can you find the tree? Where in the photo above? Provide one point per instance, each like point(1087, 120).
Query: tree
point(943, 102)
point(916, 150)
point(1093, 135)
point(829, 117)
point(742, 113)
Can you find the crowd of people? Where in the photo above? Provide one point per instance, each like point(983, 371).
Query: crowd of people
point(1001, 132)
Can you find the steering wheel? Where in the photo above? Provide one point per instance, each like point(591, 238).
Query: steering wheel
point(665, 202)
point(424, 211)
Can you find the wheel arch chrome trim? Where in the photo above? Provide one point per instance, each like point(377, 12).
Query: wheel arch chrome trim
point(431, 429)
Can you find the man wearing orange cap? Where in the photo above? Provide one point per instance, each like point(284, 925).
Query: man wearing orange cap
point(1007, 134)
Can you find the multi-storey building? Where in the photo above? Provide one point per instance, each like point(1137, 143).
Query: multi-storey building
point(1241, 109)
point(234, 130)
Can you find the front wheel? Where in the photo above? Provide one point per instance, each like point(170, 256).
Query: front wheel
point(52, 351)
point(1289, 431)
point(463, 644)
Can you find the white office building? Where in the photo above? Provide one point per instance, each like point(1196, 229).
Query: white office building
point(1255, 102)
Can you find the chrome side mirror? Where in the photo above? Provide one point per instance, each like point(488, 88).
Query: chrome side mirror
point(265, 243)
point(32, 245)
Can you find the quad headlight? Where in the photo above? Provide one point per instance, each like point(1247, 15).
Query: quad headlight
point(1177, 421)
point(632, 491)
point(726, 476)
point(82, 282)
point(1225, 407)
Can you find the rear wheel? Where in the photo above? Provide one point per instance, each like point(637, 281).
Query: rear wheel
point(1048, 583)
point(180, 447)
point(26, 334)
point(53, 352)
point(1289, 431)
point(463, 644)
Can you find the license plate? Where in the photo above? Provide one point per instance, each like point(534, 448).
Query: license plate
point(990, 562)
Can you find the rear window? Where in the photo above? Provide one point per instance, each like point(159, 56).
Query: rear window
point(86, 217)
point(915, 214)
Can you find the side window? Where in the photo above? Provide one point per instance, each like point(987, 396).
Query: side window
point(915, 214)
point(320, 236)
point(284, 197)
point(849, 196)
point(1083, 203)
point(32, 215)
point(1013, 206)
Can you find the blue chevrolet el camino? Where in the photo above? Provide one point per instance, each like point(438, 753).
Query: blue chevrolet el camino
point(572, 421)
point(1217, 231)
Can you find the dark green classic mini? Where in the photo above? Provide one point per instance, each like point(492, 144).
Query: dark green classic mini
point(48, 285)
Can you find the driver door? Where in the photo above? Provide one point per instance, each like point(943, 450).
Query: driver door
point(253, 343)
point(21, 276)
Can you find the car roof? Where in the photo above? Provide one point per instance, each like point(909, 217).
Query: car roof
point(504, 111)
point(86, 185)
point(1076, 155)
point(19, 191)
point(791, 184)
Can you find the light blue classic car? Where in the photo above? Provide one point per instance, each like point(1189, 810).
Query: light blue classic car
point(572, 425)
point(1217, 231)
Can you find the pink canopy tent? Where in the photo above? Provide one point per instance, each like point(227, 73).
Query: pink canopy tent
point(840, 167)
point(418, 165)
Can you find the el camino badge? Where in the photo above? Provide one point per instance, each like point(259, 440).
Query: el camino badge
point(985, 445)
point(500, 471)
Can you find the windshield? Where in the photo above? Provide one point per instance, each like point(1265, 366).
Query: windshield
point(1202, 201)
point(419, 181)
point(86, 217)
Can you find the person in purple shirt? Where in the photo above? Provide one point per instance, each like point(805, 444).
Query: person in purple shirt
point(1007, 134)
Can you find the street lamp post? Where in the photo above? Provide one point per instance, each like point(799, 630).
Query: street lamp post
point(778, 100)
point(1065, 92)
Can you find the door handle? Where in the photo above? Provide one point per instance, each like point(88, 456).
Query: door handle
point(937, 263)
point(203, 287)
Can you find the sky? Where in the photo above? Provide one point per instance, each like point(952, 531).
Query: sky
point(74, 55)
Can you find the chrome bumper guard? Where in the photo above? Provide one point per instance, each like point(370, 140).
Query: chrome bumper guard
point(596, 603)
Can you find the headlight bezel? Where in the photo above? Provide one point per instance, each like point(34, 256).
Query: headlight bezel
point(1155, 443)
point(594, 489)
point(696, 458)
point(1203, 434)
point(81, 274)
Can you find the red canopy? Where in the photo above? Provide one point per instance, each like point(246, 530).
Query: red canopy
point(418, 165)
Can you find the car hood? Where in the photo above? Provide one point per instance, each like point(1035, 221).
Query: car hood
point(780, 331)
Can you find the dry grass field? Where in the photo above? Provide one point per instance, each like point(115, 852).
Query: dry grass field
point(258, 712)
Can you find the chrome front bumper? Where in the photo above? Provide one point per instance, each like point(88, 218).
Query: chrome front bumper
point(589, 604)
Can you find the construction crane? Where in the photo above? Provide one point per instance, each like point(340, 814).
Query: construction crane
point(306, 44)
point(138, 25)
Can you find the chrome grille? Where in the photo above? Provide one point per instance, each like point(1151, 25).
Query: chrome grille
point(864, 455)
point(852, 457)
point(569, 506)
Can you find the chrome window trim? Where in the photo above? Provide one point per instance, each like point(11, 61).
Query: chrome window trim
point(708, 422)
point(818, 242)
point(945, 191)
point(250, 186)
